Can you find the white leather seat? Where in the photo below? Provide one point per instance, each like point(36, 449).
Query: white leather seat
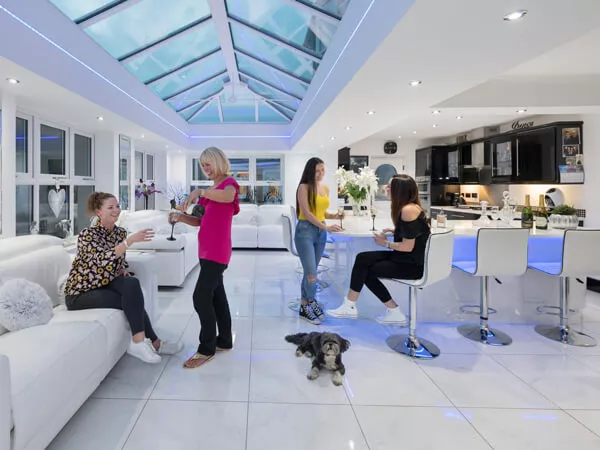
point(438, 264)
point(499, 252)
point(579, 258)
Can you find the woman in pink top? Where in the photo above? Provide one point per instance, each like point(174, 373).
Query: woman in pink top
point(220, 204)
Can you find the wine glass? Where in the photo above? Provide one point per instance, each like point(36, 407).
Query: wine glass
point(172, 222)
point(340, 211)
point(373, 215)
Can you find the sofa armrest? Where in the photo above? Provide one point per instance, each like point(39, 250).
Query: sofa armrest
point(5, 403)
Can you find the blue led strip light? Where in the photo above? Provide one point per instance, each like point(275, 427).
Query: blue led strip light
point(66, 52)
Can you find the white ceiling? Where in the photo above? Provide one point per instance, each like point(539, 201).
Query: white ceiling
point(470, 61)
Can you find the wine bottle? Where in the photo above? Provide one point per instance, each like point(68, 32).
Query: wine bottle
point(527, 214)
point(541, 217)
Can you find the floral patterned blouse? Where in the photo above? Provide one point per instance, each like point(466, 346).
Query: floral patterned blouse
point(96, 263)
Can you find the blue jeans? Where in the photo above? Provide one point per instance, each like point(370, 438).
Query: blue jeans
point(310, 243)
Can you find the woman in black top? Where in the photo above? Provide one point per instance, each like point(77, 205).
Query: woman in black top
point(405, 260)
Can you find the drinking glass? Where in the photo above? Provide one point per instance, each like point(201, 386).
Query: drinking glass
point(494, 212)
point(340, 212)
point(373, 215)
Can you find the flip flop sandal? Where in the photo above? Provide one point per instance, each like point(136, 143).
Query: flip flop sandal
point(197, 360)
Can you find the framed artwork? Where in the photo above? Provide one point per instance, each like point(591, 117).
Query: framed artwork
point(358, 162)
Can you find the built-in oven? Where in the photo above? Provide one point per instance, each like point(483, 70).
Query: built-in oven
point(424, 188)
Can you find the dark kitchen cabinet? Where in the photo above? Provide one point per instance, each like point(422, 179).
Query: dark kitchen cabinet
point(534, 156)
point(423, 163)
point(444, 165)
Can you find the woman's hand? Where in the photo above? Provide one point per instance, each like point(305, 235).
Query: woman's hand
point(334, 228)
point(145, 235)
point(191, 199)
point(380, 239)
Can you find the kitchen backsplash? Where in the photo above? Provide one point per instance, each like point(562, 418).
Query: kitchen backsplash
point(573, 194)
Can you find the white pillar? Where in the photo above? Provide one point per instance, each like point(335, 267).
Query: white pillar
point(106, 146)
point(9, 165)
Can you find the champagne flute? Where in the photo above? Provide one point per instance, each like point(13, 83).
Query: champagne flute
point(340, 212)
point(373, 215)
point(171, 217)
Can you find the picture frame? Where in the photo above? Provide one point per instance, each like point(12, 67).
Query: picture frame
point(358, 162)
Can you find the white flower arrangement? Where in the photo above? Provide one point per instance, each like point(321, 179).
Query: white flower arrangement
point(358, 186)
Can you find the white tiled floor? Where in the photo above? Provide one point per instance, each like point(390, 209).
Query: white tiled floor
point(534, 394)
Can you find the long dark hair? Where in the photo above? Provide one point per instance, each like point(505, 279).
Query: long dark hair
point(308, 178)
point(403, 191)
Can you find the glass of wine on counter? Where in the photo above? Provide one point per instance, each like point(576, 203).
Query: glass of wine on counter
point(373, 215)
point(340, 211)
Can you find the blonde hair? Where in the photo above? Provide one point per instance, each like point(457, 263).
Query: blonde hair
point(217, 159)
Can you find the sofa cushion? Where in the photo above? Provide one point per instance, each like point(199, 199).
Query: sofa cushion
point(160, 242)
point(16, 246)
point(247, 216)
point(271, 214)
point(23, 304)
point(113, 321)
point(45, 363)
point(244, 236)
point(271, 236)
point(3, 330)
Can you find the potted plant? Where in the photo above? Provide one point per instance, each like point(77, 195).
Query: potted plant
point(564, 216)
point(357, 186)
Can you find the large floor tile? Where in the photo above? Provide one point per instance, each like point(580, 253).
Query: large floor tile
point(268, 333)
point(519, 429)
point(241, 330)
point(302, 427)
point(568, 383)
point(525, 342)
point(130, 379)
point(100, 424)
point(225, 378)
point(389, 379)
point(177, 425)
point(589, 418)
point(444, 335)
point(417, 428)
point(171, 326)
point(278, 376)
point(478, 381)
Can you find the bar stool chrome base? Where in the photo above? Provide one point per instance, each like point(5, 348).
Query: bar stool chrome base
point(488, 336)
point(565, 335)
point(413, 347)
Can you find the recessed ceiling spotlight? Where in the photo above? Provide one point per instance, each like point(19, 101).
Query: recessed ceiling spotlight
point(142, 136)
point(415, 83)
point(436, 112)
point(348, 128)
point(521, 111)
point(459, 117)
point(370, 113)
point(100, 118)
point(399, 137)
point(332, 138)
point(415, 132)
point(515, 15)
point(12, 81)
point(435, 125)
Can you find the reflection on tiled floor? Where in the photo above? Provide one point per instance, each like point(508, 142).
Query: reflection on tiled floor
point(534, 394)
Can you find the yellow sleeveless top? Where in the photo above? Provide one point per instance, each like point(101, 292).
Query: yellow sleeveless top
point(321, 205)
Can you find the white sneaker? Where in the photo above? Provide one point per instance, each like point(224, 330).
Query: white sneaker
point(346, 310)
point(144, 351)
point(392, 315)
point(169, 348)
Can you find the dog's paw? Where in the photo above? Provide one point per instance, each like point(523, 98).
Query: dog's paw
point(337, 379)
point(313, 374)
point(308, 354)
point(298, 353)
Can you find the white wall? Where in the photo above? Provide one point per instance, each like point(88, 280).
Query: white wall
point(403, 159)
point(106, 162)
point(294, 165)
point(160, 180)
point(591, 155)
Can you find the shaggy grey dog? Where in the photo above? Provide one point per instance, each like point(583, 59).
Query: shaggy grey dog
point(325, 349)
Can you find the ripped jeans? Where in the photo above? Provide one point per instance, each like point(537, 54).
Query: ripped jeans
point(310, 243)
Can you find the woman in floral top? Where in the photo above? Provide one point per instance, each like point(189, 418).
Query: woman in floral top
point(98, 278)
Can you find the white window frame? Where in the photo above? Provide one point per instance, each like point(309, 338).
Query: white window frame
point(81, 180)
point(146, 171)
point(29, 175)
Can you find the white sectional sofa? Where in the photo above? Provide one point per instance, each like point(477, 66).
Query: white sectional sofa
point(47, 372)
point(259, 226)
point(176, 258)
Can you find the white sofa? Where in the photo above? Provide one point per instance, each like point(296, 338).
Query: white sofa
point(176, 258)
point(47, 372)
point(259, 226)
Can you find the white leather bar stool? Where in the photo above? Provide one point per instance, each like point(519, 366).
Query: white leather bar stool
point(579, 259)
point(288, 239)
point(438, 264)
point(500, 252)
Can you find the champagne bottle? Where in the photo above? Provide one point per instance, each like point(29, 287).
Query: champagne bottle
point(541, 217)
point(527, 214)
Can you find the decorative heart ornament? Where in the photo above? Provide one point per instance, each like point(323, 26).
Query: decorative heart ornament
point(56, 200)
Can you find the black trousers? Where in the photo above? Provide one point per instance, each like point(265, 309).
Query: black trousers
point(370, 266)
point(124, 293)
point(210, 302)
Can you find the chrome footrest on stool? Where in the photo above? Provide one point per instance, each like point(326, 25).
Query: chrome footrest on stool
point(489, 336)
point(565, 335)
point(413, 347)
point(476, 309)
point(541, 309)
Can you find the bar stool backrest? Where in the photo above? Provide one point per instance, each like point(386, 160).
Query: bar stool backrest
point(438, 259)
point(288, 234)
point(501, 251)
point(581, 253)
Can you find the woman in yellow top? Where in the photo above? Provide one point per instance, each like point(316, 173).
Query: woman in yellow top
point(312, 201)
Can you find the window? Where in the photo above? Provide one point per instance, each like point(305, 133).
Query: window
point(53, 209)
point(83, 155)
point(53, 159)
point(260, 179)
point(124, 181)
point(24, 213)
point(80, 216)
point(22, 145)
point(139, 166)
point(150, 167)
